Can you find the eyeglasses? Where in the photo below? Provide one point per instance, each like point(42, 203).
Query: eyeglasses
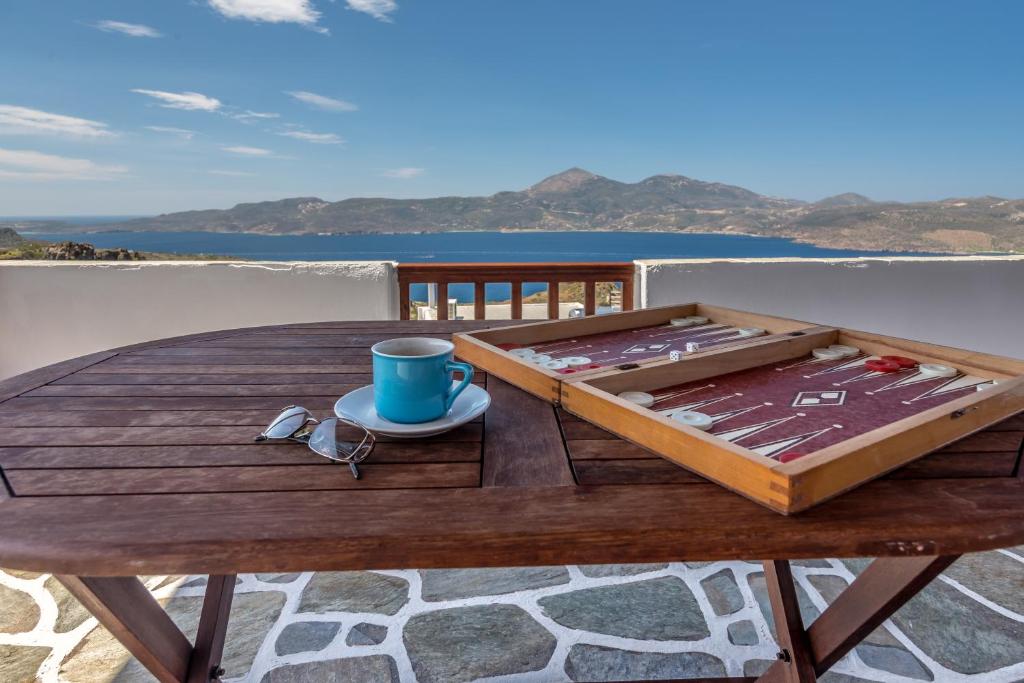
point(295, 423)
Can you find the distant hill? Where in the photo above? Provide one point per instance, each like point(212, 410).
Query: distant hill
point(579, 200)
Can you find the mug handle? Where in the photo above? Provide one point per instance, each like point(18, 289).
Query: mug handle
point(467, 376)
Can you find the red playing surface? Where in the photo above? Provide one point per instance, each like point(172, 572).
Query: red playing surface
point(804, 405)
point(629, 346)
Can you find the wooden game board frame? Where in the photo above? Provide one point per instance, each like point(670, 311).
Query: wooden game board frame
point(481, 347)
point(798, 485)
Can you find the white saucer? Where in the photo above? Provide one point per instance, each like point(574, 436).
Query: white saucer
point(358, 405)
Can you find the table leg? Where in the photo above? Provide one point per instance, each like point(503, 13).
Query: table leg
point(881, 589)
point(132, 615)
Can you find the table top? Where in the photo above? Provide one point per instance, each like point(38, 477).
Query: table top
point(141, 460)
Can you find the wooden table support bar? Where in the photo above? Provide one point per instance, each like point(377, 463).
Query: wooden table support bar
point(132, 615)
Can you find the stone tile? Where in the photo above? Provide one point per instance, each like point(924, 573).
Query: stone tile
point(812, 564)
point(354, 592)
point(306, 636)
point(994, 576)
point(597, 571)
point(723, 593)
point(743, 633)
point(377, 668)
point(756, 667)
point(18, 611)
point(960, 633)
point(278, 578)
point(452, 584)
point(466, 643)
point(897, 660)
point(366, 634)
point(70, 613)
point(808, 611)
point(19, 663)
point(597, 663)
point(195, 583)
point(655, 609)
point(698, 565)
point(21, 574)
point(99, 657)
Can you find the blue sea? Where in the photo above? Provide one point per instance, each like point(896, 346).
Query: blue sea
point(457, 247)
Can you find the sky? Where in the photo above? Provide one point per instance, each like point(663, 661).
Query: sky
point(129, 107)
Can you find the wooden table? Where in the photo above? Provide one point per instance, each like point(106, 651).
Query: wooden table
point(141, 461)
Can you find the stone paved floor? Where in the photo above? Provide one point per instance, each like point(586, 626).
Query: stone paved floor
point(616, 622)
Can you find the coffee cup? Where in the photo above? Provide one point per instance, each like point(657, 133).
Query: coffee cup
point(412, 379)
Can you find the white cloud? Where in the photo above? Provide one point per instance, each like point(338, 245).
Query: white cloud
point(231, 174)
point(322, 101)
point(248, 151)
point(403, 173)
point(317, 138)
point(133, 30)
point(270, 11)
point(24, 121)
point(30, 165)
point(189, 101)
point(182, 133)
point(253, 115)
point(378, 9)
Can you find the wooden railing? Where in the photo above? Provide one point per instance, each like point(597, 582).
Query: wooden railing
point(481, 274)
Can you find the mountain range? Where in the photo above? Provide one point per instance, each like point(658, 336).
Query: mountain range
point(579, 200)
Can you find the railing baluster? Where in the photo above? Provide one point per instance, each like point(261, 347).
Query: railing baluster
point(553, 299)
point(515, 273)
point(517, 299)
point(442, 300)
point(479, 299)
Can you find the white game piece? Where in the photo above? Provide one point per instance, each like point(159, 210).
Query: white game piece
point(750, 332)
point(692, 347)
point(575, 361)
point(683, 322)
point(693, 419)
point(557, 364)
point(674, 355)
point(641, 398)
point(539, 358)
point(936, 370)
point(986, 385)
point(823, 353)
point(847, 351)
point(697, 319)
point(523, 353)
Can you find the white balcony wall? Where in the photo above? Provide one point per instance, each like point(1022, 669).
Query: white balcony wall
point(52, 311)
point(975, 303)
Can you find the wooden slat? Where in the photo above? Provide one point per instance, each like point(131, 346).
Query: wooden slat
point(316, 404)
point(288, 391)
point(89, 482)
point(589, 297)
point(480, 300)
point(182, 436)
point(134, 617)
point(442, 302)
point(496, 527)
point(404, 304)
point(522, 444)
point(44, 457)
point(135, 366)
point(604, 449)
point(657, 471)
point(224, 378)
point(137, 418)
point(13, 386)
point(627, 294)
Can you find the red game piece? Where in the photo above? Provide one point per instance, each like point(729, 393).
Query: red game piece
point(882, 365)
point(567, 371)
point(790, 457)
point(593, 366)
point(902, 361)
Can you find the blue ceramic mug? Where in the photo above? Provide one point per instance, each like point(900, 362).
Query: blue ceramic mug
point(412, 379)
